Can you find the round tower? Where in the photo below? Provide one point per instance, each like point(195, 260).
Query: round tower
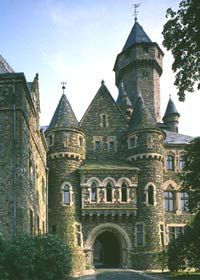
point(171, 116)
point(66, 143)
point(139, 67)
point(145, 151)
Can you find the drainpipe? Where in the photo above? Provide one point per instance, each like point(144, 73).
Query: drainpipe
point(47, 194)
point(14, 158)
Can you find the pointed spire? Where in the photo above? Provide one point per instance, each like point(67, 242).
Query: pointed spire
point(123, 98)
point(64, 116)
point(141, 117)
point(4, 66)
point(171, 108)
point(137, 35)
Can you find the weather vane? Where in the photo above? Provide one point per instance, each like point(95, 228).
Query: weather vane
point(136, 6)
point(63, 86)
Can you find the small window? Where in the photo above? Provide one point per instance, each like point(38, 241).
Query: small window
point(78, 235)
point(181, 162)
point(124, 192)
point(97, 145)
point(139, 235)
point(151, 195)
point(111, 145)
point(109, 192)
point(184, 201)
point(66, 193)
point(104, 121)
point(170, 162)
point(81, 141)
point(175, 232)
point(133, 142)
point(43, 227)
point(145, 74)
point(93, 192)
point(162, 236)
point(169, 201)
point(50, 140)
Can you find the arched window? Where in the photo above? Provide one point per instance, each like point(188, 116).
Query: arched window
point(66, 194)
point(184, 201)
point(181, 161)
point(170, 162)
point(109, 192)
point(169, 200)
point(94, 192)
point(124, 192)
point(151, 195)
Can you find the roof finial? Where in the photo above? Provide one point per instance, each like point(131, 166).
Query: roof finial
point(103, 82)
point(63, 86)
point(136, 6)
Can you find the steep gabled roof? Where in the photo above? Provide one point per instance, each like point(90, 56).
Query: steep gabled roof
point(4, 66)
point(171, 109)
point(64, 116)
point(137, 35)
point(141, 117)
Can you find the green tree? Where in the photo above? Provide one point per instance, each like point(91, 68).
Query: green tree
point(182, 37)
point(190, 176)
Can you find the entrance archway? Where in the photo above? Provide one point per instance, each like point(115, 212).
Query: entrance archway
point(105, 241)
point(106, 250)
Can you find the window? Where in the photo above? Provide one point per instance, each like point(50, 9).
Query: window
point(93, 192)
point(132, 142)
point(81, 141)
point(170, 162)
point(124, 192)
point(151, 195)
point(184, 201)
point(162, 236)
point(109, 193)
point(111, 145)
point(43, 227)
point(139, 235)
point(97, 145)
point(104, 121)
point(66, 195)
point(181, 162)
point(66, 138)
point(175, 231)
point(50, 140)
point(145, 74)
point(78, 234)
point(31, 222)
point(169, 201)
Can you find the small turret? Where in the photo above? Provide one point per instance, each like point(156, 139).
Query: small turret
point(171, 116)
point(124, 102)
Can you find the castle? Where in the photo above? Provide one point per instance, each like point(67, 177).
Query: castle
point(107, 185)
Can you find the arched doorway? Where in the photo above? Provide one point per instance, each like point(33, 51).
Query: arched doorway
point(106, 239)
point(106, 250)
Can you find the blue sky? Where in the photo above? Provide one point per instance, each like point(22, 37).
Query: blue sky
point(77, 41)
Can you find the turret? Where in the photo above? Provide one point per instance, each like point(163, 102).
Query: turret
point(66, 143)
point(171, 116)
point(123, 101)
point(139, 67)
point(145, 151)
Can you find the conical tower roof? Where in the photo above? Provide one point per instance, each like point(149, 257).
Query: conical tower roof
point(64, 116)
point(4, 66)
point(137, 35)
point(141, 117)
point(123, 98)
point(171, 109)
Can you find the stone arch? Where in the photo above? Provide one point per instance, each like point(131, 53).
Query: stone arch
point(93, 179)
point(146, 188)
point(108, 180)
point(122, 235)
point(172, 184)
point(123, 180)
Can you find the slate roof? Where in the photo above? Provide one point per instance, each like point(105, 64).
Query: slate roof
point(123, 97)
point(4, 66)
point(141, 117)
point(171, 108)
point(175, 138)
point(137, 35)
point(64, 116)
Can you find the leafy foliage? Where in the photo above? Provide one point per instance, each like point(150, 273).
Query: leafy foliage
point(191, 174)
point(34, 258)
point(162, 258)
point(182, 36)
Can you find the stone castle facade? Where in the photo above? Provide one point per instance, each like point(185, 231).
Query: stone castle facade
point(109, 185)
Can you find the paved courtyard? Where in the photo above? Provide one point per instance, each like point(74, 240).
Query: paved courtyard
point(119, 274)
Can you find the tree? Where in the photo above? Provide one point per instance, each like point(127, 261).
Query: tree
point(182, 36)
point(190, 176)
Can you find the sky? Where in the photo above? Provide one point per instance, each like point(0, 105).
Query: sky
point(77, 41)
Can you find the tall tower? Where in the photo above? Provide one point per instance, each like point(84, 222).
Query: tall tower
point(139, 66)
point(145, 151)
point(66, 143)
